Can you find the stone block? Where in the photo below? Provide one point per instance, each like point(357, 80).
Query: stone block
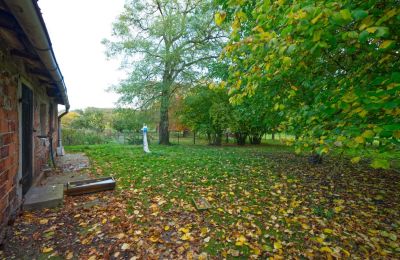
point(49, 196)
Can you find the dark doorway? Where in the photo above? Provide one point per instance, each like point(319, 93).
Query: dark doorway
point(27, 131)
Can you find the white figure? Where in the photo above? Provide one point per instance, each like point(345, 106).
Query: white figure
point(145, 144)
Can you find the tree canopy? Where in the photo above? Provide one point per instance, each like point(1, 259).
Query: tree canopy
point(332, 68)
point(165, 45)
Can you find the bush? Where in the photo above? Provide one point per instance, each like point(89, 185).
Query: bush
point(83, 136)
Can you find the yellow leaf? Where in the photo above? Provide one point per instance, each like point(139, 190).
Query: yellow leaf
point(386, 44)
point(368, 134)
point(256, 251)
point(313, 21)
point(346, 15)
point(317, 35)
point(125, 246)
point(219, 18)
point(372, 29)
point(69, 256)
point(355, 159)
point(120, 236)
point(338, 209)
point(153, 239)
point(184, 230)
point(166, 228)
point(185, 237)
point(47, 249)
point(240, 240)
point(43, 221)
point(104, 221)
point(347, 253)
point(305, 226)
point(236, 24)
point(203, 231)
point(363, 113)
point(359, 140)
point(325, 249)
point(277, 245)
point(328, 231)
point(378, 163)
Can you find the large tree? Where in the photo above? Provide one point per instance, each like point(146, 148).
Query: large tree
point(166, 45)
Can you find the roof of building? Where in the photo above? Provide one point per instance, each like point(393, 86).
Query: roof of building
point(25, 35)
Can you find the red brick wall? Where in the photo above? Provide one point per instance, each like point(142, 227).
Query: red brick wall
point(9, 143)
point(9, 146)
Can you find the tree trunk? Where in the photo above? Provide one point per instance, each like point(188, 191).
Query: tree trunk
point(241, 138)
point(255, 139)
point(218, 139)
point(164, 121)
point(273, 136)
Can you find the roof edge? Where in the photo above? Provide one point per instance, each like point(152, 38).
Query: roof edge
point(29, 17)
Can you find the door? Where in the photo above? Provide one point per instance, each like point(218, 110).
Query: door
point(26, 138)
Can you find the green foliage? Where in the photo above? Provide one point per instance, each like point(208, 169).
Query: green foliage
point(331, 68)
point(207, 111)
point(128, 119)
point(72, 136)
point(166, 45)
point(90, 118)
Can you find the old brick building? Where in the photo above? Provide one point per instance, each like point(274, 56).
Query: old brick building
point(31, 89)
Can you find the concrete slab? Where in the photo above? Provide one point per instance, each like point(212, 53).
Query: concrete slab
point(65, 178)
point(49, 196)
point(73, 162)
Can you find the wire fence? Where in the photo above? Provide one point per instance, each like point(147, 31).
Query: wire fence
point(72, 136)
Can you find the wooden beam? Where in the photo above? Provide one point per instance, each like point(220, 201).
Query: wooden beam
point(51, 92)
point(24, 55)
point(40, 72)
point(7, 21)
point(46, 82)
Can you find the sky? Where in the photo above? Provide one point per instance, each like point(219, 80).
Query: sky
point(76, 28)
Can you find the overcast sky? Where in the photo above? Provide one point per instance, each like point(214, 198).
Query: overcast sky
point(76, 28)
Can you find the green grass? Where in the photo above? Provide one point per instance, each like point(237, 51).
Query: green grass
point(265, 193)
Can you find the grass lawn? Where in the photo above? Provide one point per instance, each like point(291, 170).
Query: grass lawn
point(266, 202)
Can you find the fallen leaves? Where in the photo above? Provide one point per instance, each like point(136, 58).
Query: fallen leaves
point(125, 246)
point(43, 221)
point(47, 250)
point(263, 206)
point(278, 245)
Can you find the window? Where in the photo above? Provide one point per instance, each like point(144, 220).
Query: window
point(43, 114)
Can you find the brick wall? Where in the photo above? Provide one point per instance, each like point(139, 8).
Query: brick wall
point(9, 146)
point(10, 201)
